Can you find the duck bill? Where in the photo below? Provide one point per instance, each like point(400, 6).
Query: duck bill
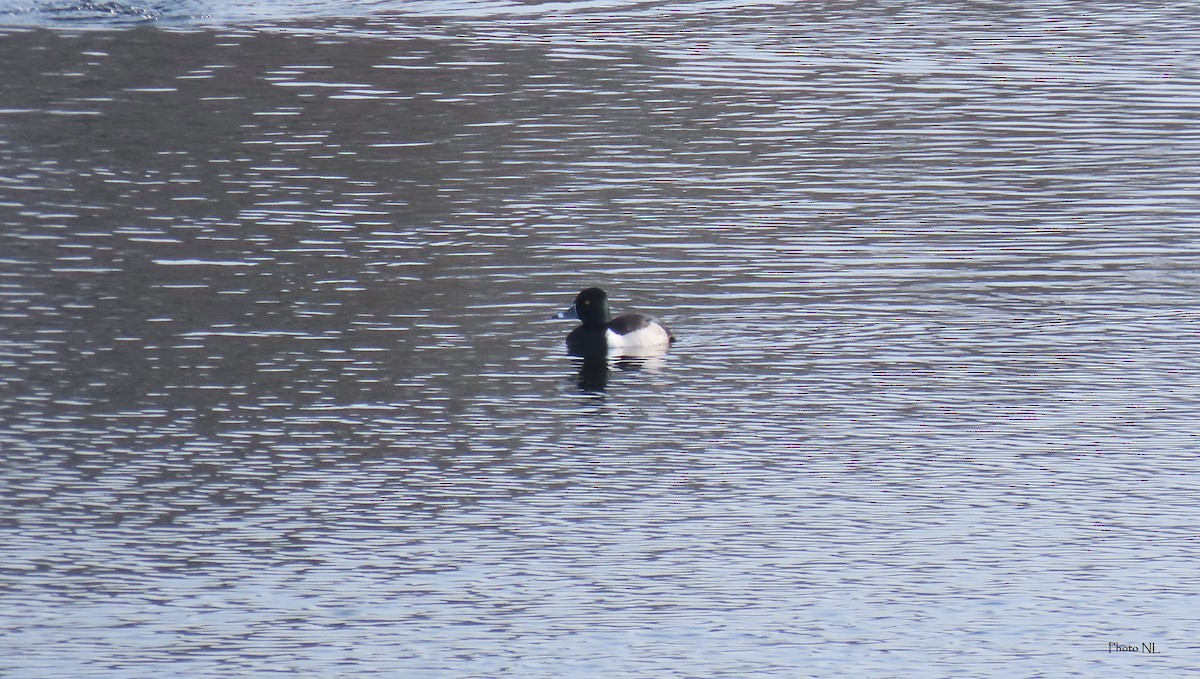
point(569, 313)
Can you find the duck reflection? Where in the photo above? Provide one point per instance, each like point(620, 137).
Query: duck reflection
point(596, 367)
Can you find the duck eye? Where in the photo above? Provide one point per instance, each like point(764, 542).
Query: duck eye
point(587, 302)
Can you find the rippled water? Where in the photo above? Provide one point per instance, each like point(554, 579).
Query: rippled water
point(279, 392)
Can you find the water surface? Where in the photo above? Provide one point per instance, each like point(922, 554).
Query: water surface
point(279, 392)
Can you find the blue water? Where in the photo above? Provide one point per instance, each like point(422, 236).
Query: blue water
point(280, 392)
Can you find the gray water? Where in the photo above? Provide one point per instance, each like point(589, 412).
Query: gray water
point(280, 395)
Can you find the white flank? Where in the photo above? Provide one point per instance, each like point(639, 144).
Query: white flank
point(650, 336)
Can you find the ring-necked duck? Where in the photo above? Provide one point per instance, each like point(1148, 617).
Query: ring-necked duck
point(600, 331)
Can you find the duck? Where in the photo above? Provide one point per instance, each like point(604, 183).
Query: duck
point(599, 331)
